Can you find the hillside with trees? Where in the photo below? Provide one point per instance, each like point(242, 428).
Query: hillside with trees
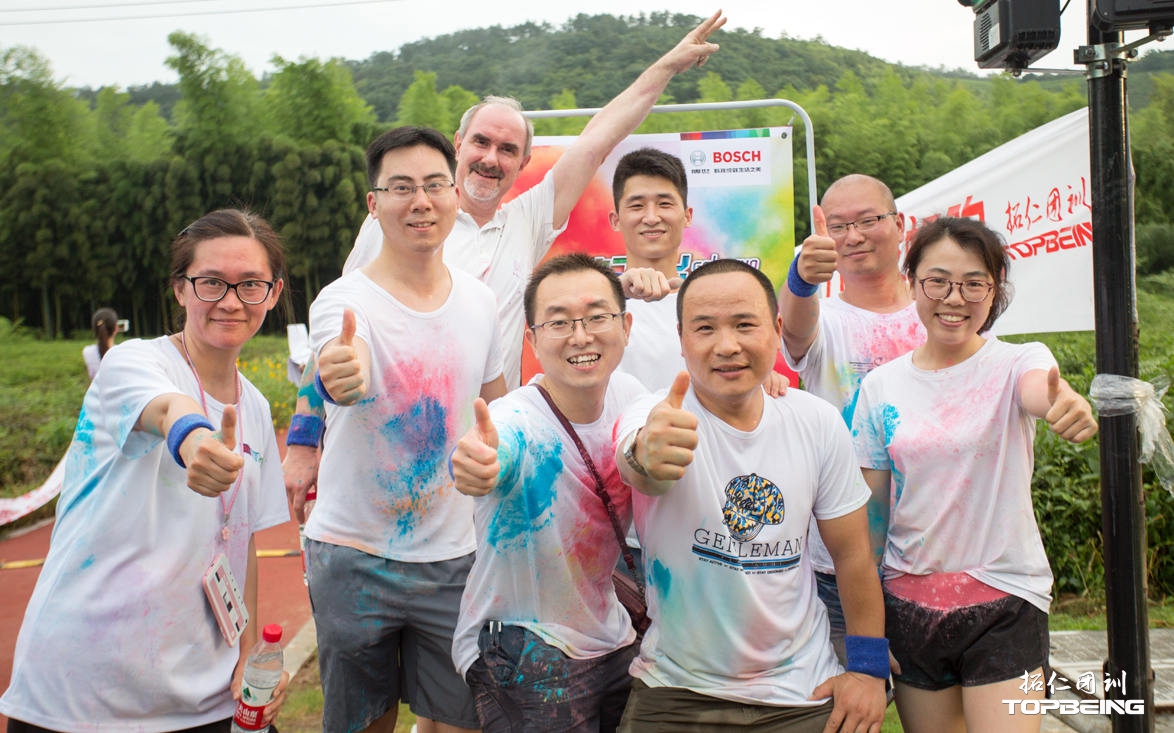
point(95, 183)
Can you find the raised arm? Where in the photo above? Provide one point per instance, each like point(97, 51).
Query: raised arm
point(799, 301)
point(623, 115)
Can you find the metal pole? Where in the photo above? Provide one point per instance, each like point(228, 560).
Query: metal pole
point(1122, 501)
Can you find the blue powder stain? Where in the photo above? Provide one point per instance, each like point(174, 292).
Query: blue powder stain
point(421, 433)
point(524, 498)
point(849, 410)
point(898, 486)
point(84, 432)
point(890, 419)
point(87, 488)
point(87, 562)
point(662, 578)
point(313, 399)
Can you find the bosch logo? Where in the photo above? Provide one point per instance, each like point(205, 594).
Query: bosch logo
point(697, 157)
point(737, 156)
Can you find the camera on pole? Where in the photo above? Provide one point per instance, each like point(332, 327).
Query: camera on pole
point(1012, 34)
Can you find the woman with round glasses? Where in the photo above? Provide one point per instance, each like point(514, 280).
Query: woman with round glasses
point(134, 622)
point(946, 432)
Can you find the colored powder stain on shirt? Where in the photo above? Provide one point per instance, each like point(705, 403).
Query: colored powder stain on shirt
point(523, 502)
point(661, 578)
point(84, 432)
point(849, 410)
point(420, 435)
point(890, 419)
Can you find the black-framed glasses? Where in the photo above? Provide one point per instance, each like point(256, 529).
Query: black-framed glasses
point(213, 289)
point(863, 224)
point(434, 189)
point(939, 288)
point(561, 328)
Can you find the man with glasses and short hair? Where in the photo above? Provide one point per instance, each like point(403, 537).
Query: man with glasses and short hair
point(542, 640)
point(404, 346)
point(833, 342)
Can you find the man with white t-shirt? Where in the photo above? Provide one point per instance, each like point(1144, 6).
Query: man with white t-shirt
point(501, 244)
point(542, 639)
point(833, 342)
point(404, 346)
point(726, 482)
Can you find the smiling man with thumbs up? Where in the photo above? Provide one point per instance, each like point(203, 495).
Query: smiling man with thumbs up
point(542, 640)
point(404, 347)
point(727, 482)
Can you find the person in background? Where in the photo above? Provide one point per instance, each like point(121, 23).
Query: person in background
point(172, 470)
point(105, 324)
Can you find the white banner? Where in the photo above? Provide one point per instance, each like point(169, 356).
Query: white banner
point(1034, 192)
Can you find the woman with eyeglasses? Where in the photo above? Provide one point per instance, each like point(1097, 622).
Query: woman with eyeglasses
point(134, 622)
point(946, 433)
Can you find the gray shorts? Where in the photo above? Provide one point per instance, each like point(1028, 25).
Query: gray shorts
point(385, 633)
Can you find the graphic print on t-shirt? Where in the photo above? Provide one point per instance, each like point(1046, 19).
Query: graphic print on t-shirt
point(752, 502)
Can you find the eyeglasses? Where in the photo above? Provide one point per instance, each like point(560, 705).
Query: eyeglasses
point(865, 224)
point(213, 289)
point(434, 189)
point(561, 328)
point(939, 288)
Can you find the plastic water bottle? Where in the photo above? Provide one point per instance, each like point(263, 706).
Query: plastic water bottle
point(262, 674)
point(311, 500)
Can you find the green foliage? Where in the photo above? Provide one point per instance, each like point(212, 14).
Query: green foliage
point(313, 102)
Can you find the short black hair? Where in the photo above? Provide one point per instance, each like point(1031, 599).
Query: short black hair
point(406, 137)
point(649, 162)
point(973, 236)
point(721, 267)
point(573, 262)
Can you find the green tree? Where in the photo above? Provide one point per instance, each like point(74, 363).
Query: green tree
point(221, 99)
point(422, 105)
point(313, 101)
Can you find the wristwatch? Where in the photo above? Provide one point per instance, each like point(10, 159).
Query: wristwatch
point(630, 454)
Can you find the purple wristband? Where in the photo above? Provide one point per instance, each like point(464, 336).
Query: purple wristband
point(181, 429)
point(321, 388)
point(305, 430)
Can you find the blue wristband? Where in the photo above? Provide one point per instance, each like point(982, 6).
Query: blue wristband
point(305, 430)
point(451, 474)
point(797, 284)
point(181, 429)
point(868, 655)
point(321, 388)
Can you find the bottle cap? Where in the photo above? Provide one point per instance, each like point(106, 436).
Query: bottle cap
point(271, 633)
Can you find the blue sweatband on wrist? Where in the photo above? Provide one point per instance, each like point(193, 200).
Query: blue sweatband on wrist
point(181, 429)
point(451, 474)
point(797, 284)
point(321, 388)
point(868, 655)
point(305, 430)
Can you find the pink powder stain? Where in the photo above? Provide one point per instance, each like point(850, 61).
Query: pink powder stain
point(943, 591)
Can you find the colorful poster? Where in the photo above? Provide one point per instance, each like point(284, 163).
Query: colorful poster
point(740, 188)
point(1034, 192)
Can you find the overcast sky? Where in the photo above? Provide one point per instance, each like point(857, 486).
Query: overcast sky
point(87, 51)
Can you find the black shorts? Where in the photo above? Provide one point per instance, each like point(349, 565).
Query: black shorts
point(971, 645)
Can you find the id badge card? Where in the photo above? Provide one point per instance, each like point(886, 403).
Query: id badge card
point(224, 597)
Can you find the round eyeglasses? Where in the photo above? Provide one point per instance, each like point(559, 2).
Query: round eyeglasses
point(434, 189)
point(562, 328)
point(863, 224)
point(939, 288)
point(213, 289)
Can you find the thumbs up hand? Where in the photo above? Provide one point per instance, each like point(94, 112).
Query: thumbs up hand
point(664, 446)
point(339, 366)
point(212, 464)
point(817, 259)
point(475, 466)
point(1069, 415)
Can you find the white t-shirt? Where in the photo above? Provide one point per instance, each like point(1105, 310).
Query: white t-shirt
point(502, 254)
point(545, 543)
point(653, 353)
point(92, 359)
point(959, 445)
point(383, 483)
point(850, 343)
point(118, 634)
point(730, 591)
